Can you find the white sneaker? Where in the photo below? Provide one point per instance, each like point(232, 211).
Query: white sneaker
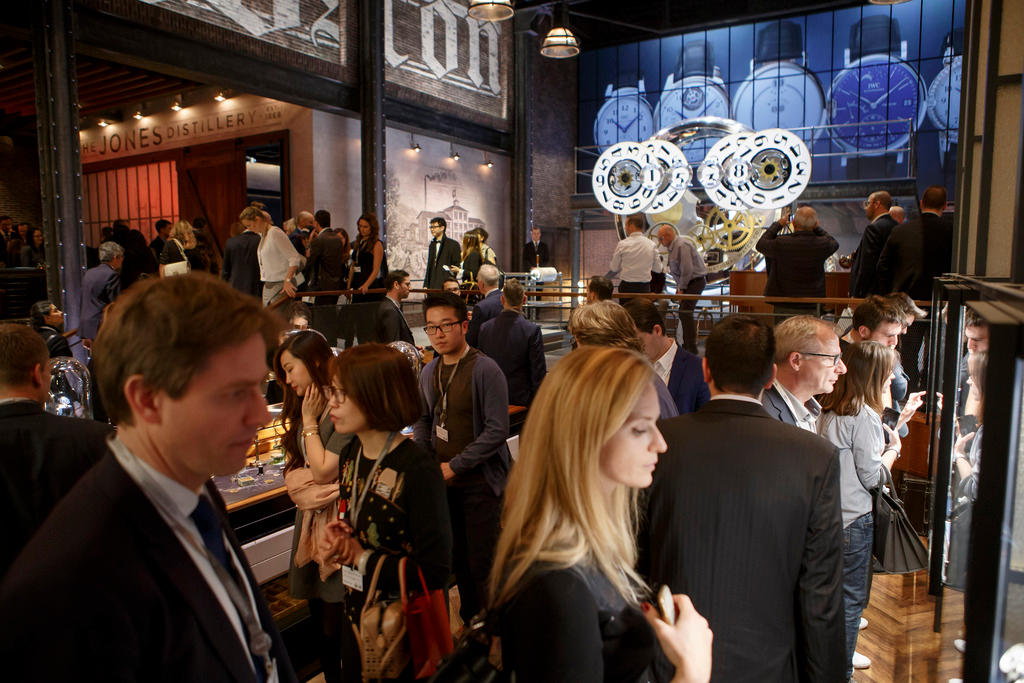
point(960, 644)
point(863, 623)
point(860, 661)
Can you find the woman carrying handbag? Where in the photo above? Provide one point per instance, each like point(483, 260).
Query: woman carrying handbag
point(393, 520)
point(851, 419)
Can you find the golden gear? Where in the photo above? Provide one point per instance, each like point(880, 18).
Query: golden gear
point(729, 231)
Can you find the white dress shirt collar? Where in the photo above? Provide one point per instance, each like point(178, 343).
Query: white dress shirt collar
point(663, 366)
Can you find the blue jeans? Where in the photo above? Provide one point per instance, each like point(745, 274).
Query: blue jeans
point(858, 539)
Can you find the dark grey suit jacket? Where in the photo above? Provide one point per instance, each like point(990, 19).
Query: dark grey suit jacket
point(241, 264)
point(133, 606)
point(486, 309)
point(448, 254)
point(865, 262)
point(517, 346)
point(100, 286)
point(391, 324)
point(916, 252)
point(776, 406)
point(744, 517)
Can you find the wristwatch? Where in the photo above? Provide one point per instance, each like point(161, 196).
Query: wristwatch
point(625, 115)
point(694, 89)
point(876, 85)
point(780, 91)
point(944, 93)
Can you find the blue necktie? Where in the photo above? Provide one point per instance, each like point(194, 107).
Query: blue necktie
point(208, 523)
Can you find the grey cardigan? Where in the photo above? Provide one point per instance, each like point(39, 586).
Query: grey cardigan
point(489, 449)
point(860, 439)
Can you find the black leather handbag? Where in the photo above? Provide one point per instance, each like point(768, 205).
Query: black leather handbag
point(897, 547)
point(471, 660)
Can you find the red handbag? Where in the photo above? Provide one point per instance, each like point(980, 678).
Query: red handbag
point(426, 621)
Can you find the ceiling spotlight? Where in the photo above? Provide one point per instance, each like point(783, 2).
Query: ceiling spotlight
point(103, 124)
point(416, 148)
point(489, 164)
point(219, 96)
point(560, 43)
point(491, 10)
point(137, 115)
point(176, 106)
point(413, 145)
point(453, 154)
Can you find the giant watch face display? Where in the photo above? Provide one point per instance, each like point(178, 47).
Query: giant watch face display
point(884, 95)
point(944, 98)
point(623, 118)
point(695, 97)
point(779, 95)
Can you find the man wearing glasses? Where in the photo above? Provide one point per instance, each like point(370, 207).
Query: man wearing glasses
point(876, 234)
point(442, 253)
point(465, 425)
point(808, 362)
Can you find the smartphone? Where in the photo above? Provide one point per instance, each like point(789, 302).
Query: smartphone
point(967, 424)
point(666, 607)
point(890, 416)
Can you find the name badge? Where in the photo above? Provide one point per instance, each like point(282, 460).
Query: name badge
point(386, 483)
point(355, 269)
point(352, 578)
point(442, 433)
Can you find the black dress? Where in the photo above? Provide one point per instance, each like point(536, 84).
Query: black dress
point(362, 266)
point(572, 625)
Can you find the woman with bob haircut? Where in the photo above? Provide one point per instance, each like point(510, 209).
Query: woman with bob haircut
point(396, 505)
point(851, 419)
point(182, 237)
point(563, 584)
point(311, 449)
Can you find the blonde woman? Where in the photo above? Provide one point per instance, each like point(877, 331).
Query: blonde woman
point(563, 581)
point(606, 323)
point(851, 419)
point(471, 257)
point(181, 238)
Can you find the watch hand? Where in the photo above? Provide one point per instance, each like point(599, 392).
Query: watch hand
point(630, 124)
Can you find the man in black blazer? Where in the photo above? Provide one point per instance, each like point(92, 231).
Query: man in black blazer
point(241, 267)
point(796, 261)
point(442, 252)
point(48, 321)
point(148, 579)
point(516, 345)
point(744, 517)
point(391, 324)
point(43, 454)
point(865, 260)
point(489, 306)
point(100, 286)
point(535, 252)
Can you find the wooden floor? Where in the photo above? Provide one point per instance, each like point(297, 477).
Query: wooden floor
point(899, 638)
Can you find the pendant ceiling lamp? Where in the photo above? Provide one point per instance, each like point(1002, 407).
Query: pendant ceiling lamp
point(491, 10)
point(888, 2)
point(560, 43)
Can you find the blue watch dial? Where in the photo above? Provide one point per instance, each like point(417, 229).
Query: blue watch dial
point(875, 89)
point(623, 118)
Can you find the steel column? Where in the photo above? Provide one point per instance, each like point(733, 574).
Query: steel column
point(60, 164)
point(371, 98)
point(523, 48)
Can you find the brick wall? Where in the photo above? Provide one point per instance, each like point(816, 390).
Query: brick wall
point(19, 182)
point(554, 110)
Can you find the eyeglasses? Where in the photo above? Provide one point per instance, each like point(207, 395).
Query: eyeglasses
point(431, 330)
point(833, 357)
point(867, 202)
point(336, 394)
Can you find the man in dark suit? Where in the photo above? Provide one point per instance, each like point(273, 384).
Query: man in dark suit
point(679, 369)
point(43, 454)
point(516, 345)
point(48, 321)
point(489, 306)
point(535, 252)
point(917, 252)
point(442, 253)
point(808, 361)
point(149, 580)
point(327, 254)
point(796, 261)
point(241, 267)
point(391, 323)
point(744, 517)
point(865, 260)
point(100, 286)
point(163, 231)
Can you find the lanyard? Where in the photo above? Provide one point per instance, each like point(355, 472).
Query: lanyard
point(356, 505)
point(444, 391)
point(259, 641)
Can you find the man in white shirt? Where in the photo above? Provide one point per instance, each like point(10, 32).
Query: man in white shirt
point(635, 258)
point(149, 580)
point(808, 362)
point(278, 259)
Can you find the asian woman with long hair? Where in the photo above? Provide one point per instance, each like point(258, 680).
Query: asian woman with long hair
point(311, 447)
point(851, 419)
point(563, 584)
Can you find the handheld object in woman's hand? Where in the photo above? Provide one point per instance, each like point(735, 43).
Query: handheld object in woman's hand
point(666, 607)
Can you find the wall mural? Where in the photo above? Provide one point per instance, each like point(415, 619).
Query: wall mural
point(312, 27)
point(429, 183)
point(435, 48)
point(862, 86)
